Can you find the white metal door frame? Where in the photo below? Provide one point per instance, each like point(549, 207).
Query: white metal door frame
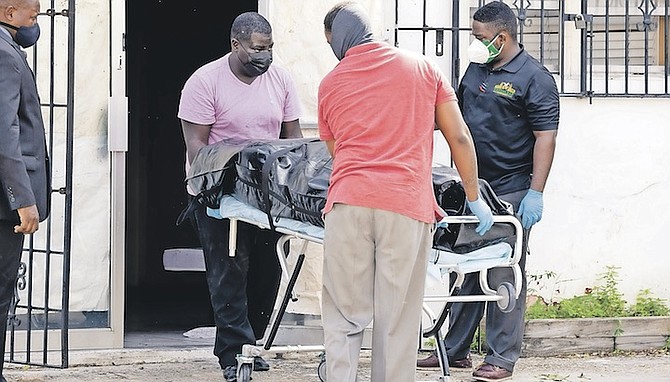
point(118, 148)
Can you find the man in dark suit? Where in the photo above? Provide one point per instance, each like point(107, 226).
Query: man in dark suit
point(24, 177)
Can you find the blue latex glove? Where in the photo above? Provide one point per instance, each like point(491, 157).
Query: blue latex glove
point(483, 212)
point(442, 224)
point(530, 208)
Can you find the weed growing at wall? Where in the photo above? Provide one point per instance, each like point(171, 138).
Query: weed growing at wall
point(648, 305)
point(603, 300)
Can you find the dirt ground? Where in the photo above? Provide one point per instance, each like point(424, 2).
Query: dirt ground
point(198, 364)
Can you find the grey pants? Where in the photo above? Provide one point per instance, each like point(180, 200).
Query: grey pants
point(374, 269)
point(504, 331)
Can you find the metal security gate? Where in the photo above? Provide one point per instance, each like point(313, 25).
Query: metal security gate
point(431, 28)
point(442, 29)
point(594, 48)
point(38, 318)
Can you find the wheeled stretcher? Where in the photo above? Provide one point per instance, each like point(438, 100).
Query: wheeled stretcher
point(281, 185)
point(496, 255)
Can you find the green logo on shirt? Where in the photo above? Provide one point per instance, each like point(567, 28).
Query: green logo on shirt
point(505, 89)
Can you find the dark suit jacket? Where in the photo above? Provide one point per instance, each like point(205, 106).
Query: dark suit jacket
point(24, 170)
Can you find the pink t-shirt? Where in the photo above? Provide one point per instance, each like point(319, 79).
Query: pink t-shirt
point(378, 104)
point(214, 96)
point(236, 110)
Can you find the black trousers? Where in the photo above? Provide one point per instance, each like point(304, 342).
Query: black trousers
point(11, 246)
point(504, 331)
point(242, 289)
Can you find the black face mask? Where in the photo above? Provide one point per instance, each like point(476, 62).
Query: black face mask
point(256, 63)
point(25, 36)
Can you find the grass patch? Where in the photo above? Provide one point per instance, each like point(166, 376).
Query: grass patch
point(603, 300)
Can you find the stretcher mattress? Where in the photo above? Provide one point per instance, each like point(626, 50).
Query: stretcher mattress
point(483, 258)
point(235, 209)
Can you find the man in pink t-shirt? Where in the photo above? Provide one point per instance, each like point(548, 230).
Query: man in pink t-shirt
point(377, 112)
point(239, 97)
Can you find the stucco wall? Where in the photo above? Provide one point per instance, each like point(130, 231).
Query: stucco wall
point(606, 199)
point(89, 286)
point(301, 47)
point(90, 218)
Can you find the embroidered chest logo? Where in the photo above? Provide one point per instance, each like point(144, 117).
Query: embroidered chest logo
point(505, 89)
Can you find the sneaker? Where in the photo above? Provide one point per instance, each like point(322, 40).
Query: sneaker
point(433, 361)
point(230, 373)
point(491, 373)
point(260, 364)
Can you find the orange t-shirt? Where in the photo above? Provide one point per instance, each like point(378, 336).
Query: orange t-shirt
point(378, 104)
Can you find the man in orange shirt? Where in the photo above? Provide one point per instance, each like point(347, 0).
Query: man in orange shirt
point(377, 112)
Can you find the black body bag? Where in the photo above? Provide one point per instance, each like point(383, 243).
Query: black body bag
point(285, 178)
point(462, 238)
point(211, 175)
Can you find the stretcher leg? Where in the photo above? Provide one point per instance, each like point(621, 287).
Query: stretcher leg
point(442, 356)
point(436, 332)
point(232, 237)
point(285, 301)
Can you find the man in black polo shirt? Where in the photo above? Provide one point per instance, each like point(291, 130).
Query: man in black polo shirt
point(511, 105)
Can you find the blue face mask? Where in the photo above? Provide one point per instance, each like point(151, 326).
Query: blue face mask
point(25, 36)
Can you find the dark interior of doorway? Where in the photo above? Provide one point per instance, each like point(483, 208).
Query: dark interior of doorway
point(165, 41)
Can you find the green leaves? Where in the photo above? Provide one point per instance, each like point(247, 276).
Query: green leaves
point(603, 300)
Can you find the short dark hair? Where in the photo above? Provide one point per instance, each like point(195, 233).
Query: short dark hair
point(499, 15)
point(247, 23)
point(330, 16)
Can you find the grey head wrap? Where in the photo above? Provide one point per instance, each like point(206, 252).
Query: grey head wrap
point(351, 27)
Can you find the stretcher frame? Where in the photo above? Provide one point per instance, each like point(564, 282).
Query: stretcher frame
point(246, 358)
point(505, 296)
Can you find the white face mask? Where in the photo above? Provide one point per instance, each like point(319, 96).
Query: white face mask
point(483, 52)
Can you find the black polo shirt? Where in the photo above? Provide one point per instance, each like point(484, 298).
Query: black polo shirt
point(502, 108)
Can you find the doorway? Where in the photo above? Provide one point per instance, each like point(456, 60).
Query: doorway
point(166, 41)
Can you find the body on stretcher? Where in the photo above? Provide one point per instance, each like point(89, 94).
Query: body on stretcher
point(496, 255)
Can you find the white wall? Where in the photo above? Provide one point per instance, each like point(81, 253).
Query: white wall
point(606, 199)
point(604, 202)
point(89, 286)
point(90, 221)
point(300, 43)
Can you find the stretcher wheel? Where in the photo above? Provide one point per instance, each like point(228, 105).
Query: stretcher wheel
point(321, 371)
point(244, 374)
point(506, 292)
